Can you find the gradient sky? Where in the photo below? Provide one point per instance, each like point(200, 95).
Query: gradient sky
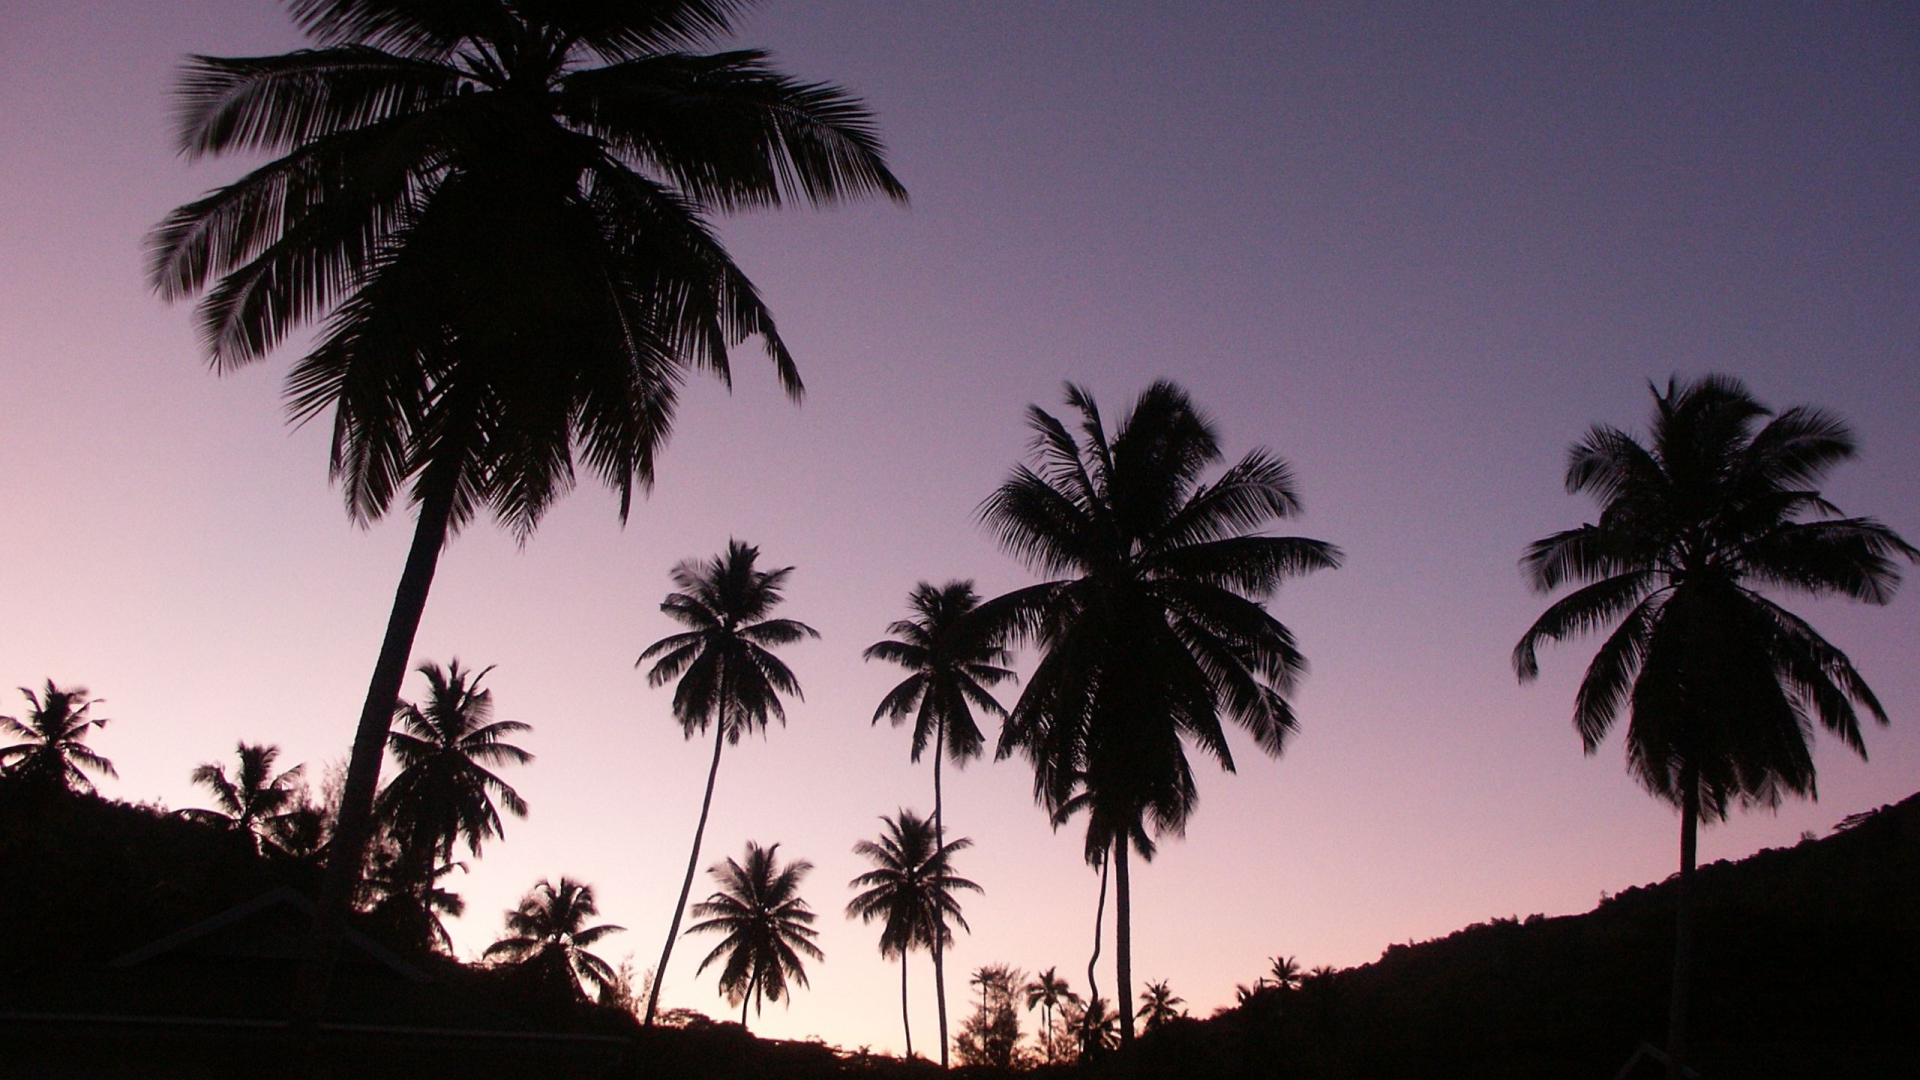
point(1414, 250)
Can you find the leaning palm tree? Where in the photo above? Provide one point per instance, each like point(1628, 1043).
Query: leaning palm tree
point(444, 791)
point(953, 662)
point(548, 929)
point(1721, 685)
point(728, 678)
point(498, 213)
point(1048, 992)
point(52, 753)
point(1153, 625)
point(767, 927)
point(1158, 1005)
point(253, 802)
point(911, 890)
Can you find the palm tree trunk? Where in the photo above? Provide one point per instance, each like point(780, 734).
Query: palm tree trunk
point(746, 999)
point(1122, 940)
point(693, 862)
point(906, 1024)
point(354, 824)
point(1099, 916)
point(939, 841)
point(1683, 923)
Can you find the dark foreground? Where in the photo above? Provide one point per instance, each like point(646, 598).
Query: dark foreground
point(142, 945)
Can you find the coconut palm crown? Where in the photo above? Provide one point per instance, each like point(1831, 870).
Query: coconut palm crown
point(444, 792)
point(1152, 627)
point(1721, 685)
point(254, 801)
point(549, 929)
point(52, 752)
point(767, 927)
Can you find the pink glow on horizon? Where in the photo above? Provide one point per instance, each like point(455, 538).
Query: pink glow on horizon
point(1414, 256)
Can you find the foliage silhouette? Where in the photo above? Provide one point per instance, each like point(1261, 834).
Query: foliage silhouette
point(254, 802)
point(991, 1036)
point(53, 754)
point(548, 935)
point(498, 211)
point(1048, 992)
point(1153, 625)
point(1158, 1005)
point(1721, 685)
point(953, 661)
point(727, 677)
point(443, 792)
point(910, 889)
point(768, 927)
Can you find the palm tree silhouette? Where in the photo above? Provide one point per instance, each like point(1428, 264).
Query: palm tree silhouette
point(549, 930)
point(253, 801)
point(1048, 992)
point(911, 889)
point(767, 927)
point(1720, 684)
point(53, 754)
point(1093, 1023)
point(1154, 624)
point(499, 213)
point(444, 791)
point(1157, 1005)
point(1284, 974)
point(728, 678)
point(412, 902)
point(952, 663)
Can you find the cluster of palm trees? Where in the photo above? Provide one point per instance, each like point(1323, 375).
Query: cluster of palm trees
point(499, 214)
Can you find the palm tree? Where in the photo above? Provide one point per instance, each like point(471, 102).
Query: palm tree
point(1048, 992)
point(409, 901)
point(499, 213)
point(952, 664)
point(726, 673)
point(1153, 625)
point(53, 754)
point(767, 926)
point(911, 888)
point(1721, 685)
point(444, 791)
point(1284, 974)
point(1093, 1024)
point(254, 801)
point(549, 929)
point(1157, 1005)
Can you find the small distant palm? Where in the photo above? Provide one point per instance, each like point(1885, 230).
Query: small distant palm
point(444, 791)
point(1096, 1024)
point(549, 930)
point(410, 903)
point(1158, 1005)
point(1284, 974)
point(767, 927)
point(728, 677)
point(253, 801)
point(1048, 992)
point(52, 753)
point(911, 889)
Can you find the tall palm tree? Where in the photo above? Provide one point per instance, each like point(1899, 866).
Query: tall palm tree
point(1158, 1005)
point(1048, 992)
point(767, 926)
point(953, 661)
point(253, 801)
point(1153, 624)
point(53, 754)
point(911, 889)
point(728, 678)
point(549, 929)
point(444, 791)
point(1721, 685)
point(498, 211)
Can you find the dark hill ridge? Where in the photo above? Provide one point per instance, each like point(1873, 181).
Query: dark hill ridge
point(1807, 961)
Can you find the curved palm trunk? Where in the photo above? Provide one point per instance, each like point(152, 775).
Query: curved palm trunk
point(1099, 916)
point(354, 825)
point(1683, 924)
point(939, 841)
point(693, 862)
point(1122, 940)
point(906, 1024)
point(746, 999)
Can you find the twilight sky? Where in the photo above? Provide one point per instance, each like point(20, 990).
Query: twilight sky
point(1416, 251)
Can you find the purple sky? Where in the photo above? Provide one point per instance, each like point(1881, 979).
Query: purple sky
point(1414, 251)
